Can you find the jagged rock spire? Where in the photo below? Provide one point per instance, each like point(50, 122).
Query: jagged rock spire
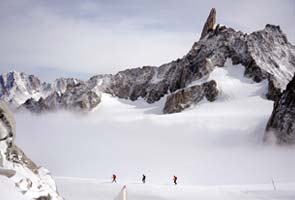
point(210, 22)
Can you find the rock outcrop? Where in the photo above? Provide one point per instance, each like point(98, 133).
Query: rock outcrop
point(76, 97)
point(184, 98)
point(210, 23)
point(15, 87)
point(31, 180)
point(281, 125)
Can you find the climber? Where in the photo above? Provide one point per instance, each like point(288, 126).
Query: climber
point(143, 179)
point(175, 179)
point(114, 177)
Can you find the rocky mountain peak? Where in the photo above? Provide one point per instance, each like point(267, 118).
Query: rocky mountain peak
point(210, 23)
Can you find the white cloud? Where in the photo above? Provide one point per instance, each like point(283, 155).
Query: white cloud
point(82, 46)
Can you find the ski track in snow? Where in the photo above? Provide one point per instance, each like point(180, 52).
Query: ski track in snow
point(216, 143)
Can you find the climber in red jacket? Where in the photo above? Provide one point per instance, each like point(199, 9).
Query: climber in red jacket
point(114, 177)
point(175, 179)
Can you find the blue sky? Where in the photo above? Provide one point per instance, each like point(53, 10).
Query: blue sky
point(81, 38)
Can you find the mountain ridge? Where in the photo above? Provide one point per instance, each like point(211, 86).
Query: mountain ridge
point(152, 83)
point(265, 54)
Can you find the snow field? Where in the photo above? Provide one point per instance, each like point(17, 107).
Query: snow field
point(218, 143)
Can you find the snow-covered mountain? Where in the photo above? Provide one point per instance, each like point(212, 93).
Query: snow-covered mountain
point(26, 91)
point(266, 55)
point(32, 181)
point(16, 87)
point(70, 94)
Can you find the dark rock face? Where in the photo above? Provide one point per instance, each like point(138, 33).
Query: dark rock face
point(15, 87)
point(274, 93)
point(281, 125)
point(210, 22)
point(44, 198)
point(184, 98)
point(77, 96)
point(153, 83)
point(211, 91)
point(12, 79)
point(272, 57)
point(35, 106)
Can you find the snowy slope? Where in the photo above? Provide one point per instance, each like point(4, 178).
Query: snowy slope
point(233, 85)
point(131, 138)
point(78, 189)
point(211, 143)
point(8, 191)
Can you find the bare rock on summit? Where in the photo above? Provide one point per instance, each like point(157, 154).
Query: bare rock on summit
point(210, 22)
point(184, 98)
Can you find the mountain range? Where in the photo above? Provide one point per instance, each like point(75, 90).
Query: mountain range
point(266, 55)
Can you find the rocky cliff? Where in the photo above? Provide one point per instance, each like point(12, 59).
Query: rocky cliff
point(186, 97)
point(15, 87)
point(75, 97)
point(281, 125)
point(32, 181)
point(23, 91)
